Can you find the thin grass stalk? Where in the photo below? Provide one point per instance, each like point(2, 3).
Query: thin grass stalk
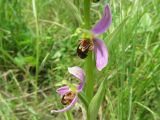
point(120, 98)
point(37, 43)
point(131, 77)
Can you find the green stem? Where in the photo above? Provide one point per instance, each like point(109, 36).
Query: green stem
point(90, 76)
point(87, 4)
point(90, 58)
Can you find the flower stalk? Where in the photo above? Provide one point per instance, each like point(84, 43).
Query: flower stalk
point(95, 52)
point(90, 58)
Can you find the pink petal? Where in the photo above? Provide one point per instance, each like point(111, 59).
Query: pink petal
point(63, 90)
point(78, 73)
point(68, 107)
point(101, 54)
point(80, 86)
point(104, 22)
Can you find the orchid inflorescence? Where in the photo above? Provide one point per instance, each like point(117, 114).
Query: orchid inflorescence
point(70, 96)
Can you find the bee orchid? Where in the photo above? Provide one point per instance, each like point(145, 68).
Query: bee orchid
point(69, 96)
point(96, 44)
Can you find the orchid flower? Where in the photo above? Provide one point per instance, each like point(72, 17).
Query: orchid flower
point(69, 96)
point(96, 44)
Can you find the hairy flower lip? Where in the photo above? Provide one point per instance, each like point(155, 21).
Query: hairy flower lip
point(68, 107)
point(68, 97)
point(84, 47)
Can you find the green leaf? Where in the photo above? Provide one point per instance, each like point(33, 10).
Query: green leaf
point(68, 115)
point(84, 99)
point(96, 102)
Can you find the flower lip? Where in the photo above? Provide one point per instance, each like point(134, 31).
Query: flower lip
point(68, 98)
point(68, 107)
point(84, 46)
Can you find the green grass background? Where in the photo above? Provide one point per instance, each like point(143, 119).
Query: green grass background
point(43, 37)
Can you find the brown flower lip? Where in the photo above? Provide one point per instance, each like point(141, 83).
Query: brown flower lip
point(84, 46)
point(67, 98)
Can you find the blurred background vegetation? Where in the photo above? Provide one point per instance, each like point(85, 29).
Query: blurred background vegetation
point(43, 37)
